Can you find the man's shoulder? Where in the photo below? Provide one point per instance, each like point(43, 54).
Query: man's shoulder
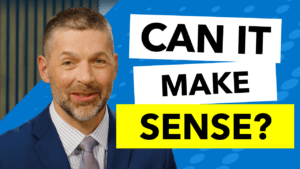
point(16, 136)
point(17, 145)
point(22, 137)
point(25, 131)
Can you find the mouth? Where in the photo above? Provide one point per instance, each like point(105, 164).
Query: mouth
point(79, 96)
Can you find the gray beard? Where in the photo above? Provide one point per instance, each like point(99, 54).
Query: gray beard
point(71, 110)
point(66, 106)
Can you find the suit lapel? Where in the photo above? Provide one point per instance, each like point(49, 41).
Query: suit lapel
point(49, 148)
point(116, 158)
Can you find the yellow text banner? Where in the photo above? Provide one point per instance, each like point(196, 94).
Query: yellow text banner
point(205, 126)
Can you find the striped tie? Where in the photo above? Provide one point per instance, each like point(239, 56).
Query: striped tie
point(88, 160)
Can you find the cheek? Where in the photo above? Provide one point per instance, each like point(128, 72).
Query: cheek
point(64, 78)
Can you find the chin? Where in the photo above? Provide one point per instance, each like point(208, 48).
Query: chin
point(87, 112)
point(84, 116)
point(82, 111)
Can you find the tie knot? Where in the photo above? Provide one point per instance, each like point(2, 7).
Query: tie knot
point(88, 143)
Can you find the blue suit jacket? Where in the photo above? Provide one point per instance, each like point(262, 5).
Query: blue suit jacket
point(36, 145)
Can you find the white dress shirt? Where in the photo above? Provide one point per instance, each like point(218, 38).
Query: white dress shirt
point(71, 138)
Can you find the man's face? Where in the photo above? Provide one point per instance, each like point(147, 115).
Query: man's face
point(81, 72)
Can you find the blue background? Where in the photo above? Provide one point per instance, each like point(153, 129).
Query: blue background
point(288, 75)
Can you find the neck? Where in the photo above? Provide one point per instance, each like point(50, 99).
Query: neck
point(85, 127)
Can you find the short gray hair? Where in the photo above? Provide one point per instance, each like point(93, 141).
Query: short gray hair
point(76, 19)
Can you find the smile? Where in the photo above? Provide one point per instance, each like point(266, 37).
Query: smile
point(83, 96)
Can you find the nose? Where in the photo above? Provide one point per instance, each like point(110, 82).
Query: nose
point(85, 73)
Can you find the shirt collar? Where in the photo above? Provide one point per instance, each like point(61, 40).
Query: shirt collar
point(71, 137)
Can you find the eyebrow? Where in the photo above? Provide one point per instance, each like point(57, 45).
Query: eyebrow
point(76, 55)
point(69, 53)
point(99, 54)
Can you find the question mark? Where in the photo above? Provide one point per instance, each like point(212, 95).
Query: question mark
point(268, 121)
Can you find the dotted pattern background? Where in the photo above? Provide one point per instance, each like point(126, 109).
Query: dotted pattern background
point(288, 75)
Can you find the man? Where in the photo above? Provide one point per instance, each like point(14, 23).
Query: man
point(77, 130)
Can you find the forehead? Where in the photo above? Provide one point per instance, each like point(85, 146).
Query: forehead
point(80, 41)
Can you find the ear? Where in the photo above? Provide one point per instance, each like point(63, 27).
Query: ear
point(43, 68)
point(116, 64)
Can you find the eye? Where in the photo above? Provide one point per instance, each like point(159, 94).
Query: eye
point(67, 63)
point(99, 61)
